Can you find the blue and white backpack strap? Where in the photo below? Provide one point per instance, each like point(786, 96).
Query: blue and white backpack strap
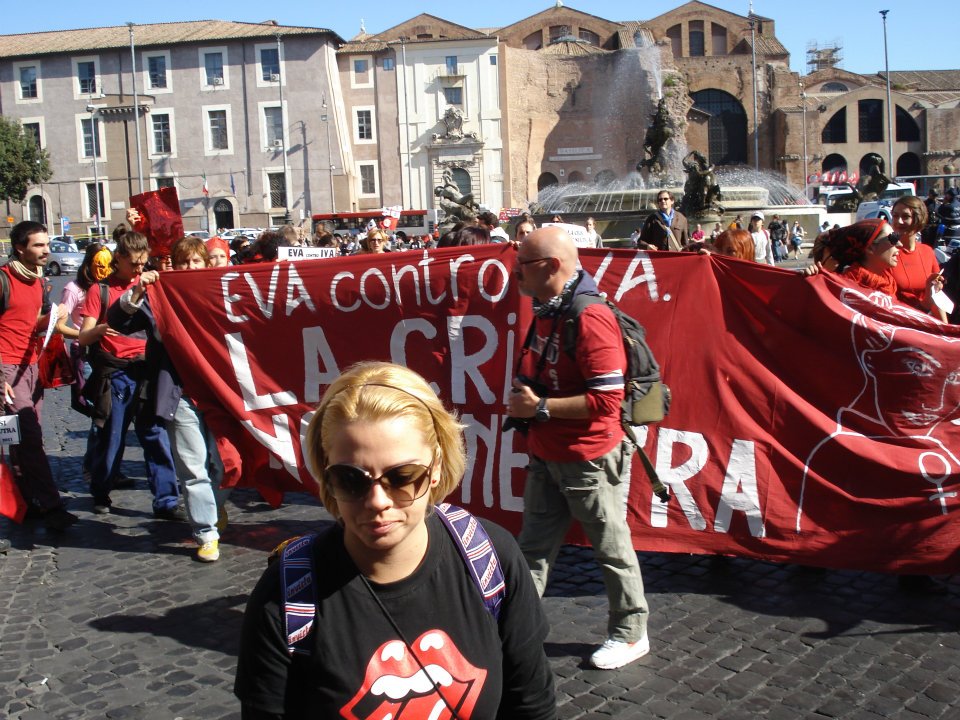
point(478, 554)
point(299, 593)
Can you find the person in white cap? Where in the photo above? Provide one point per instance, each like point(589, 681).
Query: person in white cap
point(763, 248)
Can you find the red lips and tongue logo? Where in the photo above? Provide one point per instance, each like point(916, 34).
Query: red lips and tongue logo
point(396, 687)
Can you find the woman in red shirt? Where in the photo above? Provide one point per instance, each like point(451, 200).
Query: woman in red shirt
point(918, 273)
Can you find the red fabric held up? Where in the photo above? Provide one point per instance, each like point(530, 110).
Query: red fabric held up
point(160, 218)
point(812, 421)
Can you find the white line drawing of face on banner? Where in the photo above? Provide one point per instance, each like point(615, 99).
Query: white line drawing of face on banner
point(910, 394)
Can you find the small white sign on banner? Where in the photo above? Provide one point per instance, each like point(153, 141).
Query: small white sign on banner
point(578, 234)
point(9, 429)
point(307, 253)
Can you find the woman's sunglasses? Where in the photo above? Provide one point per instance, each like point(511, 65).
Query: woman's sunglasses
point(403, 483)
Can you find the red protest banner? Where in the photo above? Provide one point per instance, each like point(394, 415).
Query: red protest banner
point(811, 421)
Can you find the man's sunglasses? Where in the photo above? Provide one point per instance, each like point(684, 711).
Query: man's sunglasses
point(403, 483)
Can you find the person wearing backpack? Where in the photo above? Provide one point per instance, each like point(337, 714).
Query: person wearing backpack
point(404, 607)
point(571, 407)
point(23, 318)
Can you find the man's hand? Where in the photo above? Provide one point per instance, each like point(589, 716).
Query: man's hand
point(522, 402)
point(8, 394)
point(134, 217)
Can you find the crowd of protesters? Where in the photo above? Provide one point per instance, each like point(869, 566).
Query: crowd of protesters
point(124, 377)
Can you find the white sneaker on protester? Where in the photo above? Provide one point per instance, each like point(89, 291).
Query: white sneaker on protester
point(616, 653)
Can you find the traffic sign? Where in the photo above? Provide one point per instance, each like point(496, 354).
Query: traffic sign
point(65, 224)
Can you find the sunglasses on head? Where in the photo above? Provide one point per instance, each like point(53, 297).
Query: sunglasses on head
point(403, 483)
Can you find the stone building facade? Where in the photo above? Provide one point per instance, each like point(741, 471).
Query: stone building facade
point(209, 100)
point(559, 97)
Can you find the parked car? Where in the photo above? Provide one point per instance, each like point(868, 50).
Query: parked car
point(64, 258)
point(202, 234)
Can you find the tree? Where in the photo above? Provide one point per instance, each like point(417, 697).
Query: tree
point(22, 162)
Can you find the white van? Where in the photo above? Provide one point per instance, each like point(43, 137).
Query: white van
point(881, 206)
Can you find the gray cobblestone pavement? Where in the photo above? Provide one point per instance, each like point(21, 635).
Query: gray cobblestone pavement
point(115, 620)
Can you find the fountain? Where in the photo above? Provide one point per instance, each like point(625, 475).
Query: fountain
point(620, 205)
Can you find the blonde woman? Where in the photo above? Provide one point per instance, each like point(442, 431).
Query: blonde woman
point(394, 604)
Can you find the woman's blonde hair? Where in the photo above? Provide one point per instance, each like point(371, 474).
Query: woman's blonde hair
point(375, 233)
point(375, 391)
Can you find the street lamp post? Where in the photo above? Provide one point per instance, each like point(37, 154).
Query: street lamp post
point(406, 124)
point(806, 173)
point(753, 60)
point(886, 65)
point(95, 136)
point(326, 121)
point(136, 106)
point(283, 134)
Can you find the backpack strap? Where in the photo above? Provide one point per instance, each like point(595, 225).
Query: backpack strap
point(571, 328)
point(478, 554)
point(4, 291)
point(299, 590)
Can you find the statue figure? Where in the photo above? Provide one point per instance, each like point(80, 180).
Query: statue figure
point(453, 120)
point(657, 136)
point(457, 206)
point(874, 181)
point(700, 192)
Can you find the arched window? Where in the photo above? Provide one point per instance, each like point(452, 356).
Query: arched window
point(835, 131)
point(546, 180)
point(575, 176)
point(718, 35)
point(604, 178)
point(462, 178)
point(837, 87)
point(833, 163)
point(37, 209)
point(697, 43)
point(908, 164)
point(223, 214)
point(870, 114)
point(907, 128)
point(675, 36)
point(727, 127)
point(590, 37)
point(534, 41)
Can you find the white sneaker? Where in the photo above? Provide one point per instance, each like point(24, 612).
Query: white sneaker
point(616, 653)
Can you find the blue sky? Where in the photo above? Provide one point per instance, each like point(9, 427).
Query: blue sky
point(856, 24)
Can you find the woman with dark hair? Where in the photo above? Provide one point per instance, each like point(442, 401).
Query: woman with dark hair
point(91, 271)
point(864, 252)
point(917, 273)
point(467, 235)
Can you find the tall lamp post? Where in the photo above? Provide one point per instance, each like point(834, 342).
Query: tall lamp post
point(753, 60)
point(136, 106)
point(326, 121)
point(886, 65)
point(283, 134)
point(406, 126)
point(95, 137)
point(806, 173)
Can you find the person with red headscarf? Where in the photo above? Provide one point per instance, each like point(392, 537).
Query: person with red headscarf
point(218, 252)
point(863, 253)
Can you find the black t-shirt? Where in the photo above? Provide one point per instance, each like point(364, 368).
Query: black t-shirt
point(360, 667)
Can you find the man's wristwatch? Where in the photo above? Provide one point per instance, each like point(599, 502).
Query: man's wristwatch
point(542, 414)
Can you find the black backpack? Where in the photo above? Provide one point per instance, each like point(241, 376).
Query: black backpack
point(646, 397)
